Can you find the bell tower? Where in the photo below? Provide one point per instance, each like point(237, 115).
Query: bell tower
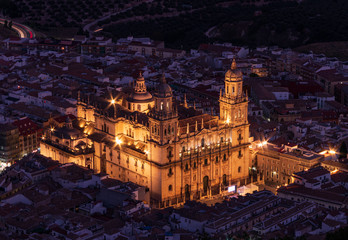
point(234, 102)
point(163, 116)
point(163, 127)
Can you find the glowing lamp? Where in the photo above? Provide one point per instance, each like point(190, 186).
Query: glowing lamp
point(113, 101)
point(332, 152)
point(118, 141)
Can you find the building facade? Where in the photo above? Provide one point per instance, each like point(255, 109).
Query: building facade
point(177, 152)
point(9, 145)
point(277, 164)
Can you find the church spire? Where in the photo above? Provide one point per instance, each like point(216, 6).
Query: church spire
point(234, 64)
point(163, 79)
point(140, 86)
point(185, 101)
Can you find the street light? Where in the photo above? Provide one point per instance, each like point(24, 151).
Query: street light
point(332, 151)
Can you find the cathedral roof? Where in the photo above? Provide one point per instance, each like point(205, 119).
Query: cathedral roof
point(140, 97)
point(139, 93)
point(163, 89)
point(68, 133)
point(233, 73)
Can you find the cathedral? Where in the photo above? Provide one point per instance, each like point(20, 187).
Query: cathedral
point(177, 152)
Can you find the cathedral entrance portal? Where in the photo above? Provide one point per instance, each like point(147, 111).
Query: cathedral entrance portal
point(187, 192)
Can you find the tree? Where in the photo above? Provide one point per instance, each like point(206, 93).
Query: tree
point(343, 150)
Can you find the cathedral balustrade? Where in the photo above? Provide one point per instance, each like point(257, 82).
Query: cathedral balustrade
point(162, 114)
point(68, 149)
point(234, 100)
point(207, 150)
point(134, 153)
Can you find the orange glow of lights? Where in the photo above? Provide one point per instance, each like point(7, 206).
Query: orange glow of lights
point(118, 141)
point(332, 152)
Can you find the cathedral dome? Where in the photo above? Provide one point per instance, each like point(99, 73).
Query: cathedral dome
point(163, 89)
point(143, 97)
point(139, 93)
point(233, 73)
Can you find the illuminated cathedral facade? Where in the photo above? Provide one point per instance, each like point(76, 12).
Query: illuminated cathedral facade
point(179, 153)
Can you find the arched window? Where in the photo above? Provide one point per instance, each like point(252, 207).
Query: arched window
point(165, 132)
point(216, 159)
point(170, 171)
point(202, 142)
point(186, 167)
point(225, 158)
point(206, 161)
point(194, 165)
point(239, 169)
point(170, 188)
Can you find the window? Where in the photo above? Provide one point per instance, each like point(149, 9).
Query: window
point(194, 165)
point(170, 188)
point(239, 169)
point(202, 142)
point(217, 159)
point(170, 154)
point(170, 172)
point(139, 107)
point(225, 158)
point(186, 167)
point(224, 180)
point(206, 161)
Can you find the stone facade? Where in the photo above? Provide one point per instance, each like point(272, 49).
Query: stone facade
point(177, 152)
